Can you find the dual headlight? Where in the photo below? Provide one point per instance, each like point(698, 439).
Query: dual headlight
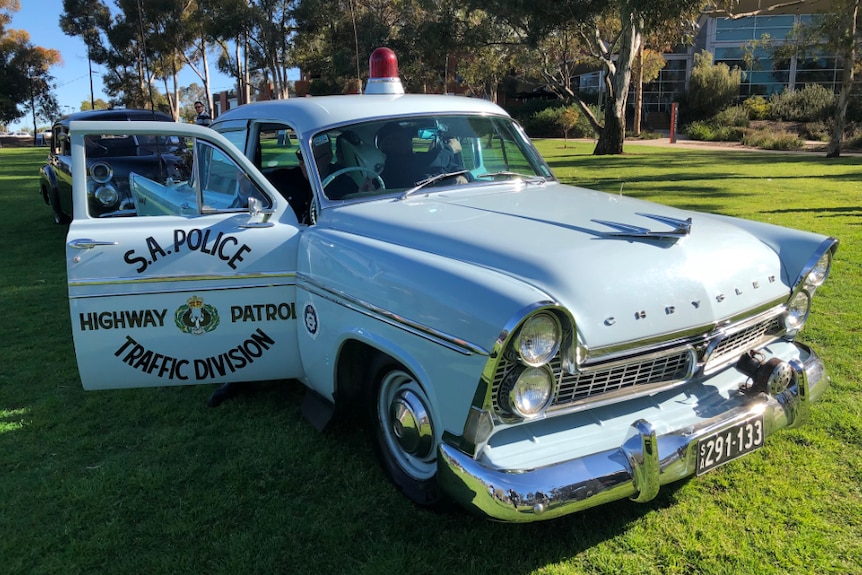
point(102, 190)
point(799, 305)
point(528, 388)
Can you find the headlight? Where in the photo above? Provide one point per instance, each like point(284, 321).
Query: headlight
point(820, 271)
point(107, 195)
point(101, 172)
point(797, 311)
point(539, 339)
point(528, 390)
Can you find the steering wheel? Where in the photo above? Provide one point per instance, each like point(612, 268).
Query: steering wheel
point(371, 173)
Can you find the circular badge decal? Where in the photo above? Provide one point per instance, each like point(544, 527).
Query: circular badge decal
point(310, 316)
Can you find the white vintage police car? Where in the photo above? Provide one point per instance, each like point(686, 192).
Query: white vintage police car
point(526, 348)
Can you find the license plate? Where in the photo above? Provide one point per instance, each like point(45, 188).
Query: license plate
point(728, 444)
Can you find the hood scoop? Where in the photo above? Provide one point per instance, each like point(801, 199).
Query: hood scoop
point(681, 228)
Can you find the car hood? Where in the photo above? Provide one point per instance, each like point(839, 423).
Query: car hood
point(618, 289)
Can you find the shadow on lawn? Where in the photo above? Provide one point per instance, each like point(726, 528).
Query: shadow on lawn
point(404, 537)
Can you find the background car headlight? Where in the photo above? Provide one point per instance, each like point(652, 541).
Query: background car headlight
point(106, 195)
point(797, 311)
point(539, 339)
point(101, 172)
point(530, 390)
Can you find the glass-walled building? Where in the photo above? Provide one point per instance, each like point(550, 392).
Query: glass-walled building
point(749, 44)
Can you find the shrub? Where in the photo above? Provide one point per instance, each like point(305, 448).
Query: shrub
point(812, 103)
point(729, 134)
point(700, 130)
point(734, 116)
point(815, 131)
point(771, 140)
point(568, 120)
point(854, 140)
point(726, 126)
point(712, 87)
point(523, 112)
point(758, 107)
point(547, 122)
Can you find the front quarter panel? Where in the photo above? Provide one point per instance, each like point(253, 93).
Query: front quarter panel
point(794, 247)
point(440, 315)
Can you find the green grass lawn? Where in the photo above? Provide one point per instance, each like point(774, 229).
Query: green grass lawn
point(154, 481)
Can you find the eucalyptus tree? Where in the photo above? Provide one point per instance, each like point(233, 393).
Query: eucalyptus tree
point(837, 31)
point(334, 39)
point(117, 41)
point(270, 43)
point(28, 86)
point(608, 33)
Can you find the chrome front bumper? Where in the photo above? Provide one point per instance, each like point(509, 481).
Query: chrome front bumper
point(635, 469)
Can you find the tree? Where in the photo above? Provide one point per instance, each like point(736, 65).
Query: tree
point(96, 104)
point(609, 33)
point(712, 87)
point(568, 120)
point(25, 73)
point(836, 32)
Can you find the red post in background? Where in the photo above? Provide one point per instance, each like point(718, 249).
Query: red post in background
point(674, 119)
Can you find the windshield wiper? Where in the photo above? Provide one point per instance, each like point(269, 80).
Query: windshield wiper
point(529, 179)
point(427, 181)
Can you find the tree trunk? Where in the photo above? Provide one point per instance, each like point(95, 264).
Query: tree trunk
point(617, 82)
point(639, 94)
point(833, 149)
point(614, 133)
point(206, 77)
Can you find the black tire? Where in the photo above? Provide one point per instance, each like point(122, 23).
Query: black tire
point(405, 443)
point(60, 218)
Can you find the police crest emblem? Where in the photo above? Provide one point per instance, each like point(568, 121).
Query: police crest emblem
point(196, 317)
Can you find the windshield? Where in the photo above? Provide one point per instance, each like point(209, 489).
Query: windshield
point(403, 155)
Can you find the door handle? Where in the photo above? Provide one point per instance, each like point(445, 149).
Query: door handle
point(88, 244)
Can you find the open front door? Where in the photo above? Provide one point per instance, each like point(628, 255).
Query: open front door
point(181, 270)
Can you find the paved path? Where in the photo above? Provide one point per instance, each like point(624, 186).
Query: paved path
point(811, 147)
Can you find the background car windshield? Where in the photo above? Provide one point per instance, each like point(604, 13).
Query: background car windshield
point(394, 155)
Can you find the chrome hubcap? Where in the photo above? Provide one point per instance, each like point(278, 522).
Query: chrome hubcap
point(411, 425)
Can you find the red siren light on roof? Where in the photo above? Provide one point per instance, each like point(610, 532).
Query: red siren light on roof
point(383, 73)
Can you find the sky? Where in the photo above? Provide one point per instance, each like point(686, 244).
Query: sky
point(41, 19)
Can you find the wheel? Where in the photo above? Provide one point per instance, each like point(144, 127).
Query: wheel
point(403, 433)
point(60, 218)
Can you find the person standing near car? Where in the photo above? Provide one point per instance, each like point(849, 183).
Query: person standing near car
point(202, 118)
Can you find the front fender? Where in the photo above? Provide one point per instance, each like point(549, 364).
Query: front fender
point(439, 317)
point(47, 182)
point(463, 303)
point(795, 248)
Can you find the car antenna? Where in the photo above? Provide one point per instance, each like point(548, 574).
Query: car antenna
point(621, 187)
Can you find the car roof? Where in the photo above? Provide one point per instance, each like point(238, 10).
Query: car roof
point(117, 114)
point(314, 113)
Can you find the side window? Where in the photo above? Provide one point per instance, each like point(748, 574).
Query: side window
point(224, 185)
point(61, 142)
point(276, 153)
point(166, 175)
point(276, 148)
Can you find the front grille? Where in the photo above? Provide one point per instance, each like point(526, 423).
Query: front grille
point(639, 372)
point(740, 342)
point(654, 368)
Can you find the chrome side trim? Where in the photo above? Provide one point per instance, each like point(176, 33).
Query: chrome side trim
point(147, 285)
point(375, 312)
point(634, 469)
point(176, 278)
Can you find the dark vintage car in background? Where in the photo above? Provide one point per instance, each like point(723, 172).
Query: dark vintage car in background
point(110, 158)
